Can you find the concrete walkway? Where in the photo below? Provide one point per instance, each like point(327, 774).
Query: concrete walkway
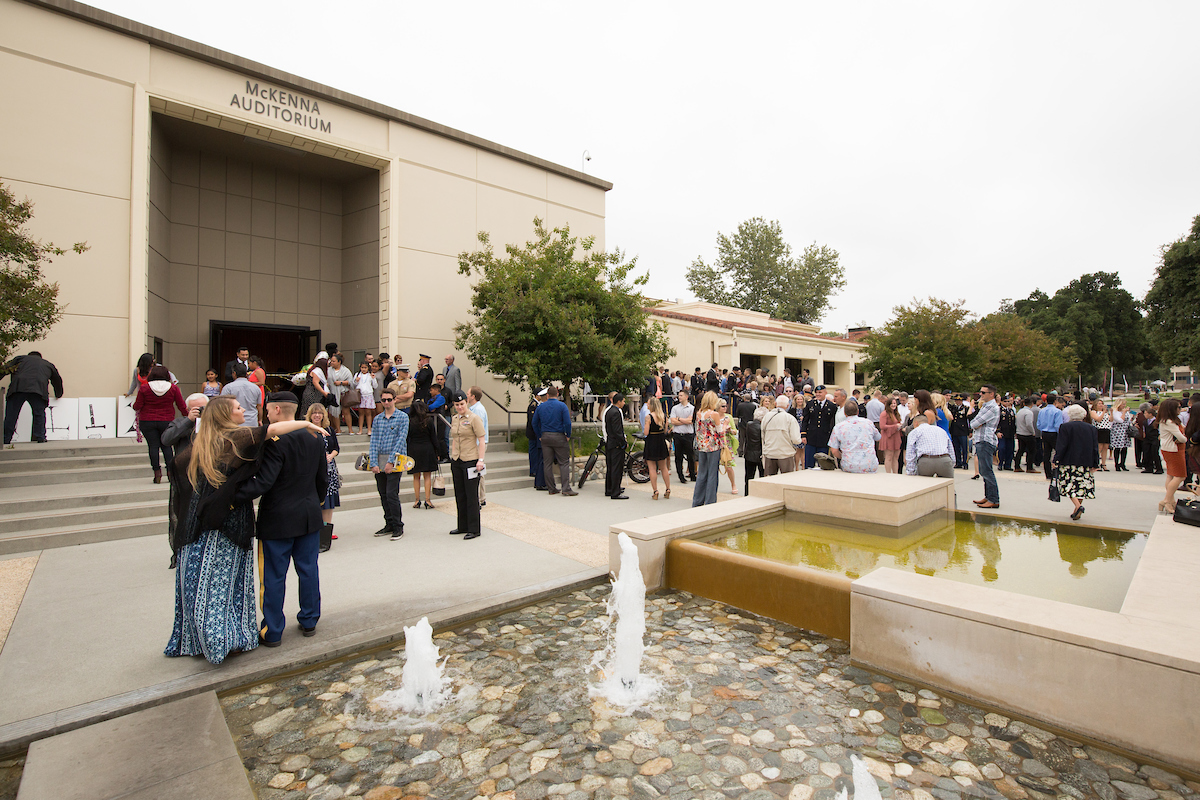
point(86, 642)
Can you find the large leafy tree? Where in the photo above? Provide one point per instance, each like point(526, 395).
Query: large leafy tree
point(755, 270)
point(558, 309)
point(935, 344)
point(1173, 302)
point(1018, 358)
point(29, 305)
point(1095, 317)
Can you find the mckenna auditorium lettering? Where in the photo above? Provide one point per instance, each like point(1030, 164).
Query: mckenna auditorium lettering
point(282, 105)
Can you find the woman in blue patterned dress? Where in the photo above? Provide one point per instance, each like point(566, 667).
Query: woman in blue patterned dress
point(215, 609)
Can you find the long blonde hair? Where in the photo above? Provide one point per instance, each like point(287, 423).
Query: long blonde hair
point(939, 401)
point(656, 411)
point(212, 442)
point(710, 402)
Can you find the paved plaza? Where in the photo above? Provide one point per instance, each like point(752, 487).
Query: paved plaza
point(86, 626)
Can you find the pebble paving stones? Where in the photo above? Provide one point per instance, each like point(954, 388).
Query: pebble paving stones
point(752, 709)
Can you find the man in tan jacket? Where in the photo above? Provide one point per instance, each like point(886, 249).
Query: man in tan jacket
point(780, 435)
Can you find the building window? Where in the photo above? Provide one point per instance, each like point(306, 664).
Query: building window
point(158, 350)
point(859, 379)
point(830, 372)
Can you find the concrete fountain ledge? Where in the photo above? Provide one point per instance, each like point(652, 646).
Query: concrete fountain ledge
point(1131, 679)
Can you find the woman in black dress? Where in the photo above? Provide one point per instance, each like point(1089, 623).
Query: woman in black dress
point(656, 453)
point(315, 387)
point(424, 447)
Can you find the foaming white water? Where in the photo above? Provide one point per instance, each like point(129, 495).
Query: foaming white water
point(865, 787)
point(423, 686)
point(622, 683)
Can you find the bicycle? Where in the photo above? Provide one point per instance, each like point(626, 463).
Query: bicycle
point(635, 464)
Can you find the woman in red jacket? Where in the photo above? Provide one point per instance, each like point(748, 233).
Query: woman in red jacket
point(156, 402)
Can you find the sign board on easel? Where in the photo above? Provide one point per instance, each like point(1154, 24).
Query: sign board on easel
point(97, 418)
point(62, 421)
point(126, 416)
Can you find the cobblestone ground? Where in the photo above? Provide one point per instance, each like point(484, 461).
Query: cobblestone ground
point(751, 709)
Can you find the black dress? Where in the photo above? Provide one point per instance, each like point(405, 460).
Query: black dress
point(656, 443)
point(423, 446)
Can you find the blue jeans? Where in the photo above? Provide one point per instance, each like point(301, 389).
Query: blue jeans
point(810, 455)
point(983, 457)
point(1006, 452)
point(705, 491)
point(276, 555)
point(962, 448)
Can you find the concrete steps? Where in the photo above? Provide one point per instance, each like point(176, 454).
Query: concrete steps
point(92, 507)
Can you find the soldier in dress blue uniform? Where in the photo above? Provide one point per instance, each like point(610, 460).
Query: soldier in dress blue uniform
point(292, 481)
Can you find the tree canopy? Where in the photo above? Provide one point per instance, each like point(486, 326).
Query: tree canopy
point(557, 309)
point(755, 270)
point(935, 344)
point(1173, 302)
point(29, 305)
point(1093, 315)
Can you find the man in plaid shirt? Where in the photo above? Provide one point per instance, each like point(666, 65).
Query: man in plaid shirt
point(389, 437)
point(984, 426)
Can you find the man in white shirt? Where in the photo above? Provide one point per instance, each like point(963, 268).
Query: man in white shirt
point(839, 400)
point(875, 408)
point(476, 398)
point(682, 434)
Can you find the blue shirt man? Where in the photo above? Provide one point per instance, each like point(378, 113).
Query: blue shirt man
point(389, 436)
point(552, 416)
point(1050, 417)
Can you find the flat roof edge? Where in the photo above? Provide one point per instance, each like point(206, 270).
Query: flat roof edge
point(203, 52)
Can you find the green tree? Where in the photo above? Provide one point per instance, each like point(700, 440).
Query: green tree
point(29, 305)
point(1018, 358)
point(1096, 318)
point(755, 270)
point(1173, 302)
point(926, 345)
point(935, 344)
point(556, 309)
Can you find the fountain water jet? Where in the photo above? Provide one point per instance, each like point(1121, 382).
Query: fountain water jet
point(622, 683)
point(423, 686)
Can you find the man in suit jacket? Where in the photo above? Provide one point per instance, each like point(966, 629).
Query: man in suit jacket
point(292, 480)
point(453, 376)
point(243, 357)
point(614, 446)
point(819, 416)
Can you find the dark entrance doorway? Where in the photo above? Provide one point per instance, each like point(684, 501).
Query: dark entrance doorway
point(284, 348)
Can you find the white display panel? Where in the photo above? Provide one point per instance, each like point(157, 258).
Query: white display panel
point(97, 417)
point(62, 421)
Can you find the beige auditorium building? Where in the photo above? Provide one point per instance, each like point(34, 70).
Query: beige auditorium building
point(228, 203)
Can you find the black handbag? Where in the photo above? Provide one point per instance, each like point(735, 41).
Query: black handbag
point(1188, 512)
point(1055, 496)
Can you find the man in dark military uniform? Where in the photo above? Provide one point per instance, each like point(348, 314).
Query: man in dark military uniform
point(819, 416)
point(292, 481)
point(424, 378)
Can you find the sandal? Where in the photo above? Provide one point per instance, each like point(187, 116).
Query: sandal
point(417, 504)
point(655, 495)
point(429, 504)
point(667, 495)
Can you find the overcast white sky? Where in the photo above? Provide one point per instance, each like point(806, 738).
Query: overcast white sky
point(969, 151)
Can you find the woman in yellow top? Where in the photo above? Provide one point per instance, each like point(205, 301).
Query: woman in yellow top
point(731, 441)
point(467, 448)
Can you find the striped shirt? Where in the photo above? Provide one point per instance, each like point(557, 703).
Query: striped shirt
point(985, 422)
point(926, 440)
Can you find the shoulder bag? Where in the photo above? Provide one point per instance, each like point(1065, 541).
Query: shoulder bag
point(351, 398)
point(439, 483)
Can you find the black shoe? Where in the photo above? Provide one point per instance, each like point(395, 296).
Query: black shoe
point(309, 631)
point(621, 496)
point(682, 479)
point(385, 531)
point(1077, 513)
point(398, 535)
point(265, 643)
point(471, 535)
point(973, 477)
point(542, 488)
point(482, 504)
point(1158, 472)
point(455, 532)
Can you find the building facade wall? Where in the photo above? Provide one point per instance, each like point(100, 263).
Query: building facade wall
point(372, 261)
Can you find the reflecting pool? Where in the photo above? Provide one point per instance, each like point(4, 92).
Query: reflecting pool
point(1070, 563)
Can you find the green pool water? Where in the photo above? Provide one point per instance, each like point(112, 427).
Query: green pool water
point(1084, 566)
